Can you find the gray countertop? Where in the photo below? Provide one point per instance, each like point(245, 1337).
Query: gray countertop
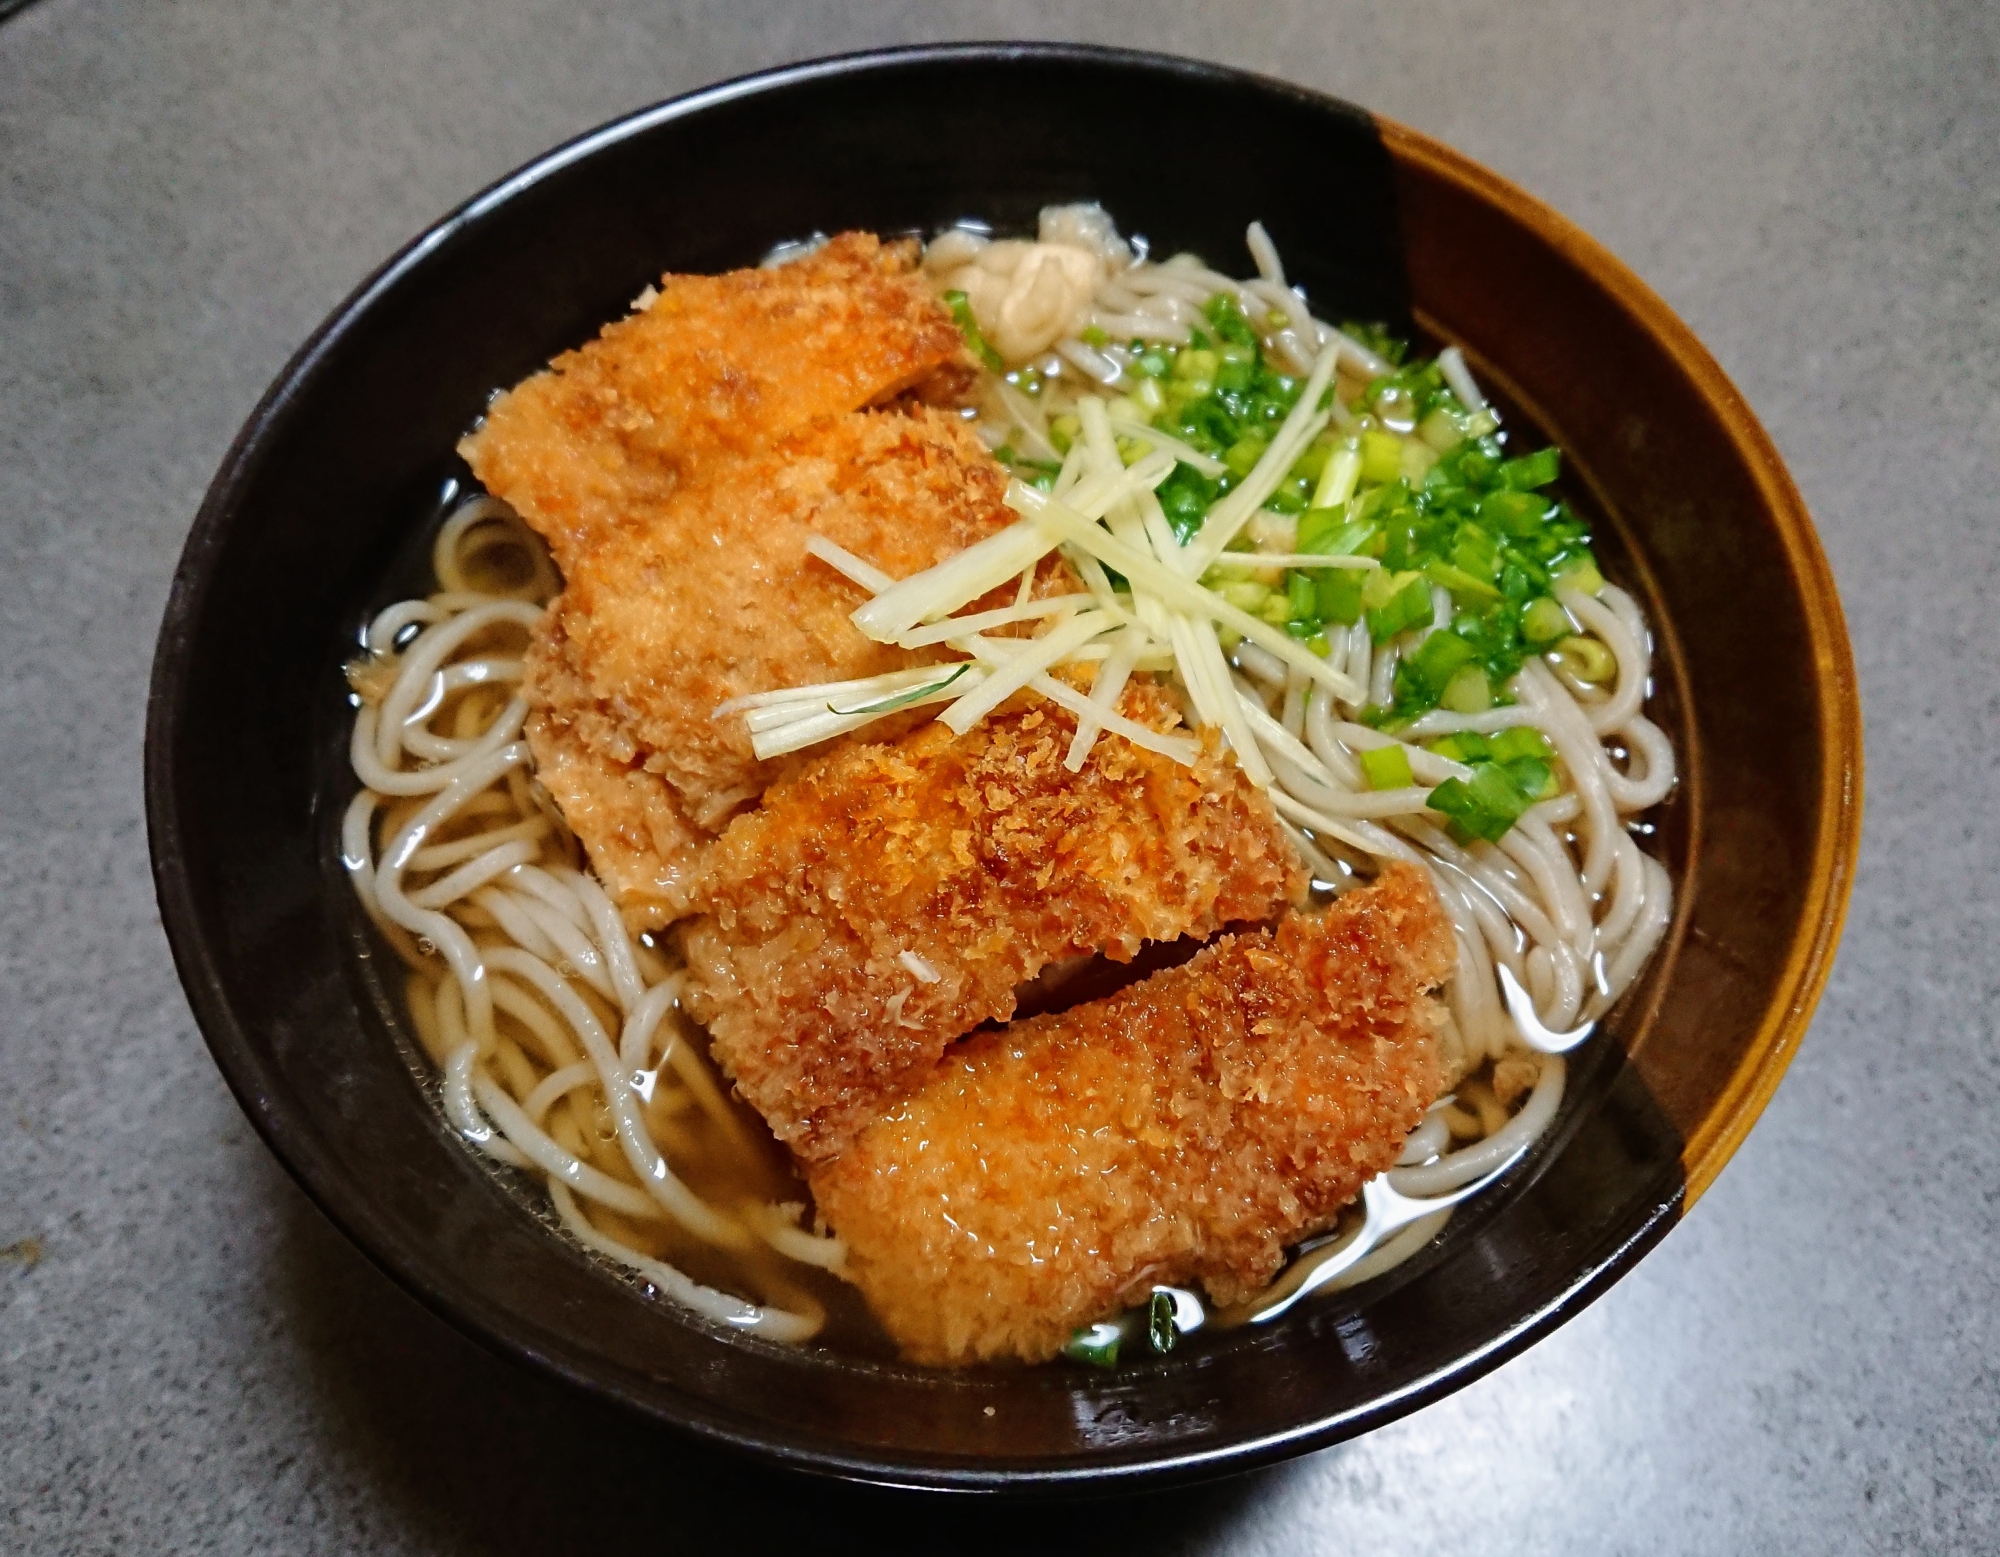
point(198, 1362)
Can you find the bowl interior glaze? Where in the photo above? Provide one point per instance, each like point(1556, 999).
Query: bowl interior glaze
point(321, 504)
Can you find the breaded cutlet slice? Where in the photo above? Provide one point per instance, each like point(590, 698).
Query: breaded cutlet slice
point(714, 595)
point(715, 368)
point(1187, 1129)
point(642, 847)
point(891, 897)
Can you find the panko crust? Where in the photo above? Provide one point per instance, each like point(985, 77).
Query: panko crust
point(892, 897)
point(717, 367)
point(643, 849)
point(1188, 1129)
point(714, 595)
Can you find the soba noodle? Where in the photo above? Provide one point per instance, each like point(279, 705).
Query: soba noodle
point(558, 1037)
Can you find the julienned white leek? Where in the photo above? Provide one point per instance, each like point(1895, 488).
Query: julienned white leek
point(1148, 573)
point(1034, 657)
point(985, 565)
point(1105, 691)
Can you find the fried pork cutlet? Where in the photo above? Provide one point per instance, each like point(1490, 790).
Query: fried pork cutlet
point(644, 851)
point(1187, 1129)
point(712, 595)
point(716, 368)
point(891, 898)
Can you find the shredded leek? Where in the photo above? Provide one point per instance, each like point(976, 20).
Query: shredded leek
point(902, 699)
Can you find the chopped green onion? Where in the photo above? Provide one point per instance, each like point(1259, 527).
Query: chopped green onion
point(1376, 338)
point(1194, 363)
point(1518, 741)
point(1581, 576)
point(1245, 594)
point(1485, 806)
point(1544, 621)
point(1093, 336)
point(1336, 483)
point(961, 314)
point(1415, 460)
point(1242, 456)
point(1468, 692)
point(1381, 456)
point(1463, 586)
point(1338, 595)
point(1440, 657)
point(1409, 607)
point(1325, 532)
point(1160, 1331)
point(1586, 659)
point(1534, 778)
point(1302, 595)
point(902, 699)
point(1443, 429)
point(1387, 767)
point(1514, 513)
point(1095, 1344)
point(1444, 507)
point(1531, 471)
point(1466, 746)
point(1380, 585)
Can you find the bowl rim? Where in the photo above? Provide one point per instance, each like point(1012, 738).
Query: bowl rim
point(1722, 1129)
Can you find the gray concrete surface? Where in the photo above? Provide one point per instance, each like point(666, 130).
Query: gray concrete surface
point(197, 1363)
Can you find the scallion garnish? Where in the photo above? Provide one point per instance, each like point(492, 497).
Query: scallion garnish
point(1160, 1331)
point(1095, 1344)
point(961, 314)
point(1387, 767)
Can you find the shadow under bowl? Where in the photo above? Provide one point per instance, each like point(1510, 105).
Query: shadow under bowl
point(348, 462)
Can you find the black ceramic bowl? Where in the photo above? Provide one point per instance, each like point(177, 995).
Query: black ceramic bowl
point(342, 470)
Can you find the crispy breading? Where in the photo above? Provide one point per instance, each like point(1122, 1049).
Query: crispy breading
point(644, 851)
point(1188, 1128)
point(891, 897)
point(716, 368)
point(714, 595)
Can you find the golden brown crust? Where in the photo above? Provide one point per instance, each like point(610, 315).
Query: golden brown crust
point(714, 595)
point(643, 850)
point(716, 368)
point(1189, 1128)
point(980, 857)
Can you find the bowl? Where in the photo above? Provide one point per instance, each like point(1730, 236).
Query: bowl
point(320, 512)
